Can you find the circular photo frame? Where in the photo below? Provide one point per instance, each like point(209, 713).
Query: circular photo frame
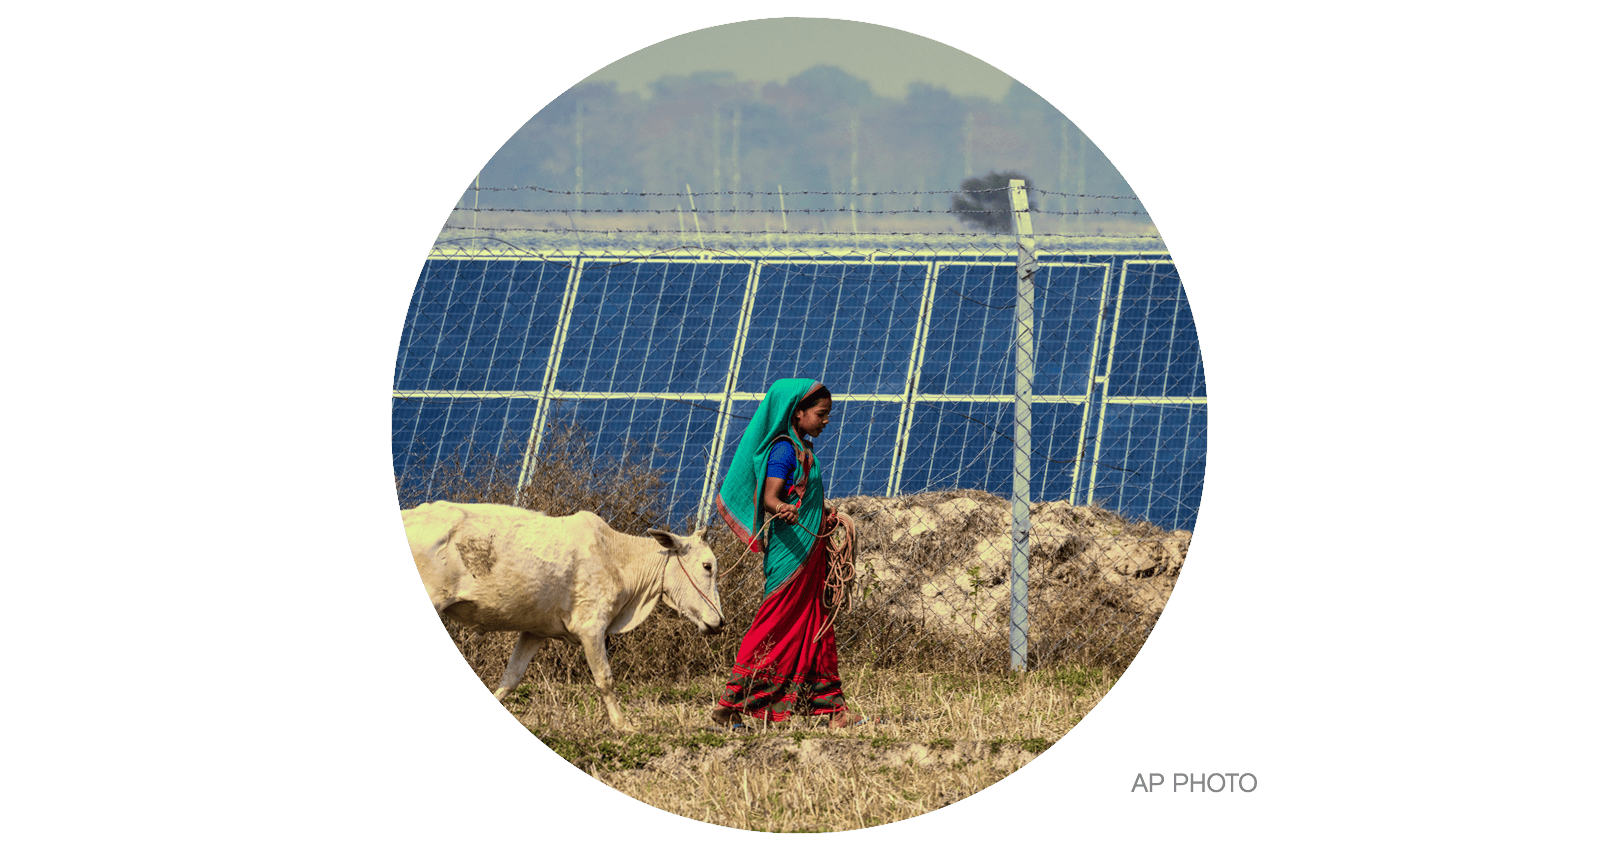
point(802, 406)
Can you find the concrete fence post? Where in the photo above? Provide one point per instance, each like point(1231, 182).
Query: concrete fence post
point(1021, 467)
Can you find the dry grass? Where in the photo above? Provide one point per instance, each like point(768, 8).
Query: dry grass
point(570, 476)
point(973, 722)
point(951, 736)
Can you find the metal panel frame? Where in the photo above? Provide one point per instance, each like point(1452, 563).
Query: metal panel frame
point(1095, 399)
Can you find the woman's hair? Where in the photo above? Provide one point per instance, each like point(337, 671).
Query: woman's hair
point(814, 398)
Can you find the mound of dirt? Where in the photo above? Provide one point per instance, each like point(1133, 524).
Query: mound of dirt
point(944, 559)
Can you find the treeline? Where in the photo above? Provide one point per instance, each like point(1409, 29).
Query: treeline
point(823, 131)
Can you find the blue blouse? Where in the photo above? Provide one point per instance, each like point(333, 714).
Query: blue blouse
point(782, 463)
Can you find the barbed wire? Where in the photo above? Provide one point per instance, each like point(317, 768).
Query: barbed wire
point(857, 234)
point(752, 193)
point(1081, 450)
point(792, 212)
point(569, 262)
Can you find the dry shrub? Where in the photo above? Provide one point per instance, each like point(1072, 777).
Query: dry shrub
point(961, 722)
point(1081, 612)
point(630, 495)
point(570, 476)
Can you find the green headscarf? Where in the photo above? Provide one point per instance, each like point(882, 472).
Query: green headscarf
point(739, 500)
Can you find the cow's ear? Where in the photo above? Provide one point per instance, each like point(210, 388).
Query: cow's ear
point(666, 538)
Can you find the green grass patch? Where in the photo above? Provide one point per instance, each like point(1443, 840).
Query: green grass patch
point(630, 753)
point(705, 738)
point(1034, 745)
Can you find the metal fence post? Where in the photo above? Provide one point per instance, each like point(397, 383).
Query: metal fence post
point(1021, 469)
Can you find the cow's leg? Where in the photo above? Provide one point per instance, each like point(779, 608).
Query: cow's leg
point(594, 649)
point(517, 667)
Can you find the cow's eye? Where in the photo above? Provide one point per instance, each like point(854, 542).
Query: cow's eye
point(708, 566)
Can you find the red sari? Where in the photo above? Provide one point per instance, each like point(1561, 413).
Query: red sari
point(783, 667)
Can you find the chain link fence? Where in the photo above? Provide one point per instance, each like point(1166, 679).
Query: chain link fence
point(635, 349)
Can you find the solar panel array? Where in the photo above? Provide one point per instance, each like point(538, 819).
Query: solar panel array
point(671, 353)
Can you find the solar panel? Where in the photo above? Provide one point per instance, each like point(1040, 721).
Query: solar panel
point(1157, 351)
point(667, 356)
point(483, 325)
point(1150, 462)
point(651, 327)
point(848, 324)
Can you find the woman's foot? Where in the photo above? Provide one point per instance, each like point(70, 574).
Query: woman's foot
point(724, 716)
point(846, 718)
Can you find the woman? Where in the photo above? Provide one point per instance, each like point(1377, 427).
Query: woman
point(788, 662)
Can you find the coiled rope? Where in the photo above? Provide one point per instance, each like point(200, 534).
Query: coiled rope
point(841, 542)
point(841, 569)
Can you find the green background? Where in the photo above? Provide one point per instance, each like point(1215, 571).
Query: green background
point(216, 220)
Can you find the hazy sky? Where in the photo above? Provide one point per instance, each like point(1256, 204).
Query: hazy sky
point(777, 49)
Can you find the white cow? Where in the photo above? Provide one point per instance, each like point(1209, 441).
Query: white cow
point(568, 578)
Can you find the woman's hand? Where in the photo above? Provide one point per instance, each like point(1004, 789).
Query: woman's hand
point(774, 503)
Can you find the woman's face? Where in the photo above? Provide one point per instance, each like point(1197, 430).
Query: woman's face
point(811, 421)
